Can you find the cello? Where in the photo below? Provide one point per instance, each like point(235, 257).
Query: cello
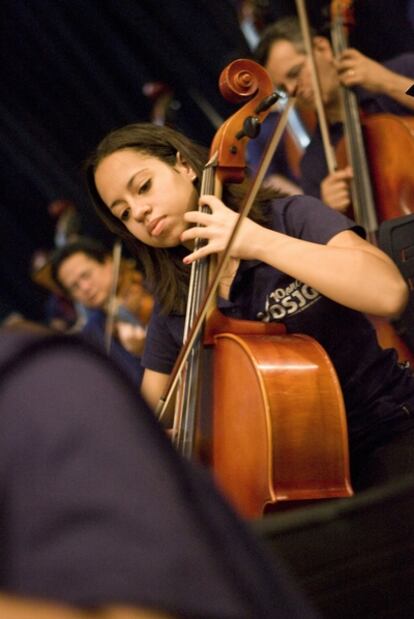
point(277, 427)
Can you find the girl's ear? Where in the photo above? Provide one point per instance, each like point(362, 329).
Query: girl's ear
point(184, 167)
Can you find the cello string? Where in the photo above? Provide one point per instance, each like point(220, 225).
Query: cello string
point(184, 422)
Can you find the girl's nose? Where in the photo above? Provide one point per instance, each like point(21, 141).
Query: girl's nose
point(139, 211)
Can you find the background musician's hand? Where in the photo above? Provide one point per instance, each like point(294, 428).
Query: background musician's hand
point(335, 189)
point(355, 69)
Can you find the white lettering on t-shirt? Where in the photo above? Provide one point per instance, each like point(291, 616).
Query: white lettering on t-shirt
point(282, 302)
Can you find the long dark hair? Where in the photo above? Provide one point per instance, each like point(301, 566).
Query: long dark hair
point(166, 275)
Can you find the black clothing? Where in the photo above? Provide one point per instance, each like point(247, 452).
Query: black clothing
point(97, 507)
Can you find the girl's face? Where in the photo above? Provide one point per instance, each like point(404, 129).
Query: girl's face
point(149, 196)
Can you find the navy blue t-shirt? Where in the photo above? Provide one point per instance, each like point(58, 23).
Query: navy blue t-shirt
point(375, 387)
point(313, 163)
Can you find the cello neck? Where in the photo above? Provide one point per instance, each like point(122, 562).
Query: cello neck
point(184, 428)
point(199, 275)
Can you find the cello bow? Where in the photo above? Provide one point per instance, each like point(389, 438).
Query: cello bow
point(320, 110)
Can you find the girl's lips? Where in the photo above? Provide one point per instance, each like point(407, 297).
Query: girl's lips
point(156, 226)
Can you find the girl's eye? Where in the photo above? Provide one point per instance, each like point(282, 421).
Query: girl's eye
point(124, 215)
point(145, 186)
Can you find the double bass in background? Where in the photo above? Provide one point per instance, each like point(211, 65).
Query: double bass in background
point(369, 170)
point(381, 148)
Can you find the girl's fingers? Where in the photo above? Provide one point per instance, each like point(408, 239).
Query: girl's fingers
point(197, 217)
point(203, 252)
point(211, 201)
point(196, 232)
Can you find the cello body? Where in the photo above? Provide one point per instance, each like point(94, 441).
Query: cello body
point(279, 432)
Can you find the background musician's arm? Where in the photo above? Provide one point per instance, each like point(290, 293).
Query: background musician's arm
point(355, 69)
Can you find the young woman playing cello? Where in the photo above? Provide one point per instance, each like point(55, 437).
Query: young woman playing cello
point(295, 261)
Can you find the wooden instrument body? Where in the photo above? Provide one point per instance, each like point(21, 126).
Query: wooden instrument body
point(132, 294)
point(389, 142)
point(389, 145)
point(279, 432)
point(279, 435)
